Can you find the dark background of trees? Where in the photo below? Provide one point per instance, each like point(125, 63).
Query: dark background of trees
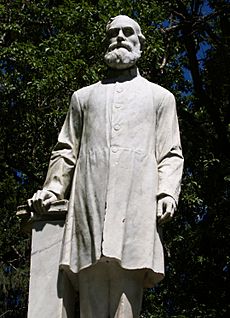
point(48, 49)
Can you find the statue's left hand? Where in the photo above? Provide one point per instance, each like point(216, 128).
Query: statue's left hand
point(166, 207)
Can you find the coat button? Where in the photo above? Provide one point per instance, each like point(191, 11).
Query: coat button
point(119, 90)
point(117, 127)
point(114, 149)
point(118, 106)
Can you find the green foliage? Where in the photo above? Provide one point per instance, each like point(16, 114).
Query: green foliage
point(51, 48)
point(14, 250)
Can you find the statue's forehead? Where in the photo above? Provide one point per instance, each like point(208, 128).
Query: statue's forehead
point(123, 21)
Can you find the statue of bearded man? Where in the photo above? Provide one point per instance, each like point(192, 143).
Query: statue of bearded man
point(118, 160)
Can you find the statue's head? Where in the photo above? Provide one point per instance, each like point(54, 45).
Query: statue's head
point(125, 42)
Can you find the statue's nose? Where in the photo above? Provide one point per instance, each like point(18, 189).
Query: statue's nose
point(120, 36)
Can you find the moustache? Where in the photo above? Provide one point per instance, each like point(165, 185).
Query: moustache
point(116, 45)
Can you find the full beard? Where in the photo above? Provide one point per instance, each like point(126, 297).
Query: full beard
point(121, 58)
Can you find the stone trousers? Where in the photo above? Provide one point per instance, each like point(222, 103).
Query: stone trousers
point(108, 291)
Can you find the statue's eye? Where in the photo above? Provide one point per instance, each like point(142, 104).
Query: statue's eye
point(128, 31)
point(112, 33)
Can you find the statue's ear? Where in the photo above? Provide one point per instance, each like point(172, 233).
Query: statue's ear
point(142, 41)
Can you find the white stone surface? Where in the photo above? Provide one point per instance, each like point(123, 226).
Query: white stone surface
point(124, 170)
point(116, 162)
point(51, 294)
point(119, 158)
point(43, 292)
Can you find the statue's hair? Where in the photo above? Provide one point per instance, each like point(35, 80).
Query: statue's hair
point(136, 26)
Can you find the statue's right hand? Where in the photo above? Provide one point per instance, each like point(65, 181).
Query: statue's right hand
point(41, 201)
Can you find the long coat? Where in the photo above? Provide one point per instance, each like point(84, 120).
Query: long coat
point(118, 149)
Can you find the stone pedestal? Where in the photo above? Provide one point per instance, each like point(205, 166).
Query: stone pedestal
point(51, 294)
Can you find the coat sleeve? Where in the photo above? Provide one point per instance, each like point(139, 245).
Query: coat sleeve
point(168, 148)
point(65, 153)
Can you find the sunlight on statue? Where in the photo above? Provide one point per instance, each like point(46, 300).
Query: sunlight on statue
point(118, 161)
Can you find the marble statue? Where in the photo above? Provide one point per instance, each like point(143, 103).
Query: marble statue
point(118, 160)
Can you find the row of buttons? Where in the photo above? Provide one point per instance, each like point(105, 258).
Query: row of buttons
point(116, 127)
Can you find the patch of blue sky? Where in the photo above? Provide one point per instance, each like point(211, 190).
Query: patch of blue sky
point(20, 176)
point(166, 23)
point(201, 54)
point(205, 8)
point(187, 74)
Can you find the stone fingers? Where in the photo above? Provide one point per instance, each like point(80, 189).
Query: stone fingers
point(41, 201)
point(165, 209)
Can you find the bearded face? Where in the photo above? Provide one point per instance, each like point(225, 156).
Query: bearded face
point(121, 58)
point(124, 48)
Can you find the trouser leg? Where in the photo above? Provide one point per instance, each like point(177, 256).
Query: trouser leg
point(126, 291)
point(66, 292)
point(94, 292)
point(108, 291)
